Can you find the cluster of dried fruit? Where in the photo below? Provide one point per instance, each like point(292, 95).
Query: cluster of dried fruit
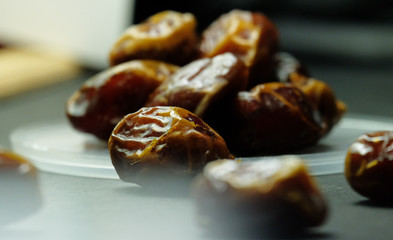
point(168, 88)
point(232, 76)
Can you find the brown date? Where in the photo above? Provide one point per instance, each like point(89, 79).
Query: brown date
point(272, 118)
point(159, 144)
point(167, 36)
point(107, 97)
point(202, 84)
point(20, 194)
point(275, 194)
point(369, 165)
point(319, 93)
point(249, 35)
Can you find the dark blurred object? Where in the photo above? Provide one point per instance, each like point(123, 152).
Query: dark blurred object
point(274, 196)
point(206, 11)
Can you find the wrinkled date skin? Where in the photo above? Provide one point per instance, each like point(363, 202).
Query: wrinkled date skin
point(202, 84)
point(369, 165)
point(20, 194)
point(330, 109)
point(272, 118)
point(249, 35)
point(157, 144)
point(258, 196)
point(107, 97)
point(167, 36)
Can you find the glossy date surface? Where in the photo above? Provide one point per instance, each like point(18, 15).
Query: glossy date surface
point(157, 144)
point(107, 97)
point(202, 84)
point(167, 36)
point(369, 165)
point(249, 35)
point(319, 93)
point(272, 118)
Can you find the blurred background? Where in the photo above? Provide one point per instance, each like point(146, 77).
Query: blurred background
point(347, 43)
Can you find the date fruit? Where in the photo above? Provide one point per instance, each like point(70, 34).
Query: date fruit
point(107, 97)
point(159, 144)
point(20, 194)
point(167, 36)
point(272, 118)
point(249, 35)
point(323, 98)
point(329, 108)
point(369, 165)
point(271, 194)
point(202, 84)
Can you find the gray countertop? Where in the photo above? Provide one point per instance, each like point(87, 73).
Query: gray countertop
point(92, 208)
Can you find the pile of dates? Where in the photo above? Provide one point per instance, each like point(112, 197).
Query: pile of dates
point(231, 77)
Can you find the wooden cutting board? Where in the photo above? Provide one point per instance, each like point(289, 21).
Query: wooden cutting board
point(25, 69)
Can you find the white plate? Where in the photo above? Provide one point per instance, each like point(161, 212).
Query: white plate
point(56, 147)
